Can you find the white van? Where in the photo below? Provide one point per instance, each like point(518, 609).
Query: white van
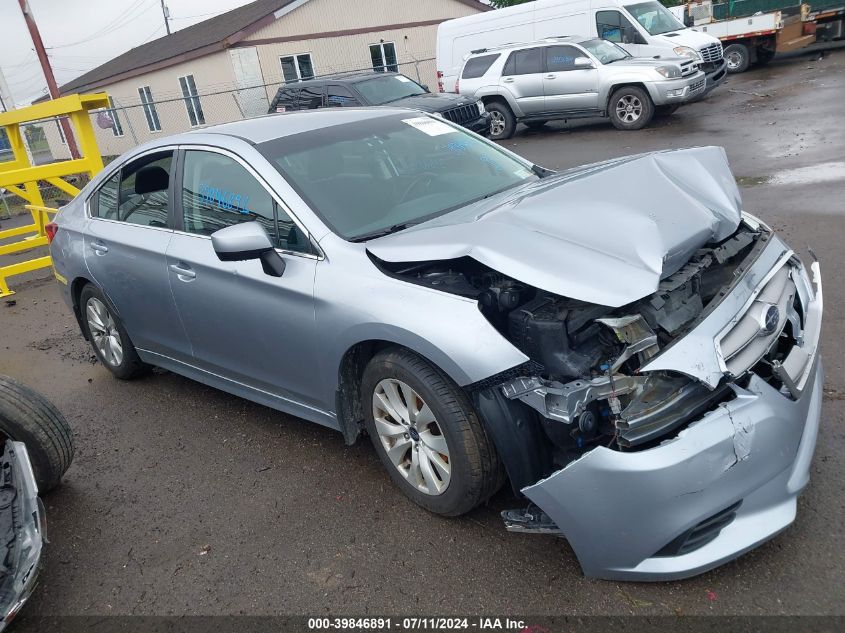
point(645, 28)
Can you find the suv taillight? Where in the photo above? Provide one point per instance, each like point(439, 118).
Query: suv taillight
point(440, 81)
point(51, 229)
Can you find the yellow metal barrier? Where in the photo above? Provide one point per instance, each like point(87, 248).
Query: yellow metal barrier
point(21, 178)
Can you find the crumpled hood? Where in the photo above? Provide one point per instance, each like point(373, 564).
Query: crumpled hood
point(606, 233)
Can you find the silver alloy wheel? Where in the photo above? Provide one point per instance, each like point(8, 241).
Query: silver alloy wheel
point(733, 60)
point(629, 108)
point(104, 334)
point(497, 123)
point(411, 437)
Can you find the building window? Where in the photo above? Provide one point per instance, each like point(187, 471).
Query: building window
point(116, 127)
point(384, 57)
point(150, 112)
point(296, 67)
point(192, 100)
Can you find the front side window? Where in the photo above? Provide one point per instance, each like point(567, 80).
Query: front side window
point(217, 191)
point(340, 96)
point(389, 88)
point(143, 192)
point(615, 27)
point(192, 100)
point(116, 127)
point(375, 176)
point(105, 205)
point(477, 66)
point(383, 57)
point(296, 67)
point(150, 112)
point(561, 58)
point(654, 17)
point(527, 62)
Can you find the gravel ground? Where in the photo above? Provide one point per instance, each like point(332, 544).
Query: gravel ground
point(185, 500)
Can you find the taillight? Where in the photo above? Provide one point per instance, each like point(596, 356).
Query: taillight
point(51, 229)
point(440, 81)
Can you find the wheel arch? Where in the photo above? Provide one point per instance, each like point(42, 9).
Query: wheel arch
point(625, 84)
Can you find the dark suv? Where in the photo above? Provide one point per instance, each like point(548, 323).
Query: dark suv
point(375, 89)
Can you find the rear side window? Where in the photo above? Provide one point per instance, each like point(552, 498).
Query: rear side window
point(525, 62)
point(477, 66)
point(286, 100)
point(144, 190)
point(310, 98)
point(106, 201)
point(340, 96)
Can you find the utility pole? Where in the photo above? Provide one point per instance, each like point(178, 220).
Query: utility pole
point(48, 73)
point(166, 13)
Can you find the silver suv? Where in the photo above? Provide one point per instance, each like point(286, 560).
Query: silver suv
point(569, 77)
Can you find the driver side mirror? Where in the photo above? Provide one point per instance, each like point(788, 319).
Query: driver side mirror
point(249, 240)
point(583, 62)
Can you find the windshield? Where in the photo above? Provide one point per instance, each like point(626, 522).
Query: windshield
point(376, 176)
point(606, 52)
point(654, 17)
point(388, 88)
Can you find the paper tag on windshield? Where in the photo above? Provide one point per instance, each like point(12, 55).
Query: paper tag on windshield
point(403, 78)
point(432, 127)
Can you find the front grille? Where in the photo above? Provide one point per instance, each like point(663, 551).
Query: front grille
point(701, 534)
point(748, 338)
point(462, 114)
point(688, 68)
point(698, 85)
point(712, 54)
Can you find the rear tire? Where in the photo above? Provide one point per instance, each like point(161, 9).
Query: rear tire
point(737, 57)
point(502, 120)
point(104, 329)
point(27, 416)
point(442, 423)
point(630, 108)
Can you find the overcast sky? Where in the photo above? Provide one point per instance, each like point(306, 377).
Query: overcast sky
point(82, 34)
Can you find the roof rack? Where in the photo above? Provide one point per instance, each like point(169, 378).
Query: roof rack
point(553, 38)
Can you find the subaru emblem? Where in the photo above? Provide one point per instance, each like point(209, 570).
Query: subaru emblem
point(769, 319)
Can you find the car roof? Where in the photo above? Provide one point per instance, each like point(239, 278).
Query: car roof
point(347, 77)
point(569, 39)
point(273, 126)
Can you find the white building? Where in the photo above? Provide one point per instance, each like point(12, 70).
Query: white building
point(230, 66)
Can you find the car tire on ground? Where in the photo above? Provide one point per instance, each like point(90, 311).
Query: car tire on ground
point(27, 416)
point(427, 434)
point(666, 110)
point(502, 120)
point(630, 108)
point(108, 337)
point(535, 125)
point(737, 57)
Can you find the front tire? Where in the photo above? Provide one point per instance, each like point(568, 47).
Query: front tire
point(27, 416)
point(630, 108)
point(737, 57)
point(108, 337)
point(427, 434)
point(502, 120)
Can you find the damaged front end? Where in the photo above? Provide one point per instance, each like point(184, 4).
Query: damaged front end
point(621, 427)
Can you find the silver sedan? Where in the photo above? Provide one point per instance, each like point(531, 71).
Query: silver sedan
point(625, 346)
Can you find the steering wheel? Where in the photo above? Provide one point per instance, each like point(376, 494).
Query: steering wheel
point(426, 176)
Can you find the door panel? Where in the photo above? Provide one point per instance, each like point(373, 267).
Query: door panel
point(244, 324)
point(566, 87)
point(522, 76)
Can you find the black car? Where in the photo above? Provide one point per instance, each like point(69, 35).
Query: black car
point(380, 88)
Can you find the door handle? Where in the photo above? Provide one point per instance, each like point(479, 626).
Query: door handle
point(508, 80)
point(99, 248)
point(183, 271)
point(550, 76)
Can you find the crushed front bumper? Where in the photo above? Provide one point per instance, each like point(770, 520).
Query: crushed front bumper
point(722, 486)
point(678, 91)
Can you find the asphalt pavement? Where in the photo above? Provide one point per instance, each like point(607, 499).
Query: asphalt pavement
point(185, 500)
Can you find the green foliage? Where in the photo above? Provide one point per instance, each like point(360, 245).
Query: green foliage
point(507, 3)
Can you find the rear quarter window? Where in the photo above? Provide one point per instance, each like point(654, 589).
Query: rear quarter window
point(477, 66)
